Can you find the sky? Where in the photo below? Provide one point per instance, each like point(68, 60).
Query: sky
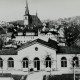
point(11, 10)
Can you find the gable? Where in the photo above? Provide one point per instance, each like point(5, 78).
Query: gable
point(35, 43)
point(50, 44)
point(36, 50)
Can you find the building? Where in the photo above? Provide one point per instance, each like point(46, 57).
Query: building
point(27, 29)
point(31, 28)
point(41, 51)
point(26, 35)
point(49, 35)
point(40, 55)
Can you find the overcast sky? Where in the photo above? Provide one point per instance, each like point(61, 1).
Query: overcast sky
point(11, 10)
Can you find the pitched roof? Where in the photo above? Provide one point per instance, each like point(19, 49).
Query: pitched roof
point(8, 52)
point(5, 75)
point(19, 30)
point(48, 44)
point(68, 50)
point(33, 18)
point(30, 30)
point(18, 22)
point(45, 32)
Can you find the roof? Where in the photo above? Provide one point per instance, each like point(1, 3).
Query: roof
point(30, 30)
point(19, 30)
point(48, 44)
point(18, 22)
point(45, 32)
point(34, 20)
point(5, 75)
point(50, 41)
point(68, 50)
point(10, 51)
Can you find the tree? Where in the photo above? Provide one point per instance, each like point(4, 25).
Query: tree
point(71, 33)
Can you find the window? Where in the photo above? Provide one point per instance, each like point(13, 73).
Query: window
point(1, 63)
point(25, 63)
point(48, 62)
point(63, 62)
point(10, 63)
point(76, 61)
point(36, 62)
point(36, 48)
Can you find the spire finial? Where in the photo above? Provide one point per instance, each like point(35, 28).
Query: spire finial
point(27, 9)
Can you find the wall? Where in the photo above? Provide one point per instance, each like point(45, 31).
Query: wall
point(24, 39)
point(42, 53)
point(5, 62)
point(69, 67)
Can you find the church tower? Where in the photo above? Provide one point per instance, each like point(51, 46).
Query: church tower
point(26, 16)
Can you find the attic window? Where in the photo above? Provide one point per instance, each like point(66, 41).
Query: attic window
point(36, 48)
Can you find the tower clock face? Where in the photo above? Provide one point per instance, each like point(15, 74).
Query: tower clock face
point(25, 20)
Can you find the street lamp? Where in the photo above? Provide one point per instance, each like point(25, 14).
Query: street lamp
point(2, 70)
point(2, 66)
point(74, 68)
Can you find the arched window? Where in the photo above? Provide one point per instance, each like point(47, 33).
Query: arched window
point(1, 63)
point(48, 62)
point(37, 63)
point(76, 61)
point(25, 63)
point(63, 62)
point(10, 62)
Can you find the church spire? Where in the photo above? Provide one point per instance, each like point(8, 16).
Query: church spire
point(26, 9)
point(26, 16)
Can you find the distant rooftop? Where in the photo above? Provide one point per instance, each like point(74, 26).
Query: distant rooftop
point(10, 51)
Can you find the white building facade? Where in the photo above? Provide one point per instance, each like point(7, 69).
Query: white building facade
point(38, 56)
